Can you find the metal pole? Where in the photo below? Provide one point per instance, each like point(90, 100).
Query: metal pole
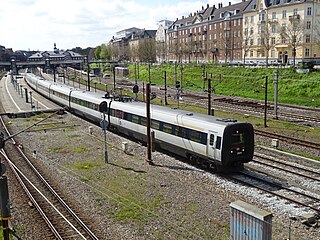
point(5, 207)
point(165, 88)
point(149, 146)
point(114, 78)
point(276, 76)
point(64, 76)
point(31, 99)
point(149, 77)
point(143, 91)
point(175, 72)
point(180, 76)
point(88, 76)
point(135, 73)
point(26, 93)
point(209, 96)
point(265, 101)
point(54, 73)
point(105, 139)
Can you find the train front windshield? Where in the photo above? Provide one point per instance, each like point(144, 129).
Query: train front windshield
point(237, 142)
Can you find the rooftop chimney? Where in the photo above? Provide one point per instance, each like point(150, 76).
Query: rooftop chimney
point(229, 3)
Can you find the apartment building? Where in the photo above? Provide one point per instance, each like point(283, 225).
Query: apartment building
point(281, 31)
point(213, 34)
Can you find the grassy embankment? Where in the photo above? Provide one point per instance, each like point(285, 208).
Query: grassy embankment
point(294, 88)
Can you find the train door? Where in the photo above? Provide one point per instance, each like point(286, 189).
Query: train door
point(211, 145)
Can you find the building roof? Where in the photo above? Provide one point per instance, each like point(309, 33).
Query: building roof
point(212, 13)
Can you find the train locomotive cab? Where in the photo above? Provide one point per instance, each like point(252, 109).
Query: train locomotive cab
point(237, 146)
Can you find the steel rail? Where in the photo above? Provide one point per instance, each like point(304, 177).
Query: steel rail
point(62, 202)
point(276, 194)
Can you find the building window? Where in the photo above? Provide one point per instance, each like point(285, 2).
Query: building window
point(273, 28)
point(307, 52)
point(308, 24)
point(295, 12)
point(283, 40)
point(273, 40)
point(284, 14)
point(309, 12)
point(251, 30)
point(274, 15)
point(246, 20)
point(308, 38)
point(273, 53)
point(246, 31)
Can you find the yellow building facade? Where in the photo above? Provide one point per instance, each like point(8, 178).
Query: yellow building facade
point(281, 31)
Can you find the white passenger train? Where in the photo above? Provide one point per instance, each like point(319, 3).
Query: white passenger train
point(222, 144)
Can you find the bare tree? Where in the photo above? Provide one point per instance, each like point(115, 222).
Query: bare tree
point(160, 50)
point(292, 31)
point(267, 37)
point(147, 50)
point(247, 41)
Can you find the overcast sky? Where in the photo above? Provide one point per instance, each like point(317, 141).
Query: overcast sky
point(38, 24)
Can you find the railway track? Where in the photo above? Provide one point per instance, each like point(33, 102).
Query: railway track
point(287, 167)
point(278, 189)
point(225, 103)
point(63, 222)
point(287, 139)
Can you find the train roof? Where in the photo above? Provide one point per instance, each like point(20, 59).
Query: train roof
point(137, 107)
point(156, 110)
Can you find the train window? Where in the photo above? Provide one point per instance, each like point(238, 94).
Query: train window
point(211, 139)
point(203, 138)
point(194, 136)
point(128, 117)
point(237, 138)
point(143, 121)
point(155, 124)
point(118, 113)
point(182, 132)
point(167, 128)
point(135, 119)
point(218, 143)
point(175, 130)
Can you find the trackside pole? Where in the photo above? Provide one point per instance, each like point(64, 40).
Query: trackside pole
point(149, 145)
point(105, 139)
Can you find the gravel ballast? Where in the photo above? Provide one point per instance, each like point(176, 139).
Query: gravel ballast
point(130, 199)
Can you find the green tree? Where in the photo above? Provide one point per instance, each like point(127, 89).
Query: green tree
point(106, 52)
point(97, 52)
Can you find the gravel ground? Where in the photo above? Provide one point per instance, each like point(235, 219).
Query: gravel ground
point(129, 199)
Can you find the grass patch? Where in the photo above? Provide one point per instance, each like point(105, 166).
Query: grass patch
point(294, 88)
point(80, 149)
point(86, 165)
point(60, 149)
